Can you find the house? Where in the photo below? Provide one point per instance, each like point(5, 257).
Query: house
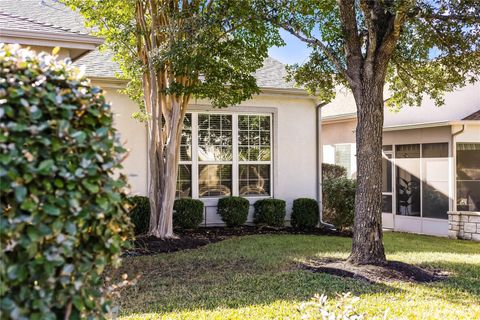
point(272, 145)
point(265, 147)
point(431, 161)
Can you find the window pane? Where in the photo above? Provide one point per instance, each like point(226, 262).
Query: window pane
point(408, 179)
point(186, 139)
point(343, 154)
point(387, 203)
point(468, 176)
point(214, 137)
point(435, 200)
point(435, 150)
point(184, 181)
point(386, 173)
point(215, 180)
point(254, 179)
point(254, 138)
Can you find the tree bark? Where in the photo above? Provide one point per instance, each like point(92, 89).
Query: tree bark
point(367, 246)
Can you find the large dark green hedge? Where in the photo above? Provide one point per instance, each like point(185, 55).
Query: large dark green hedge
point(233, 210)
point(339, 202)
point(61, 200)
point(305, 214)
point(188, 213)
point(270, 212)
point(140, 214)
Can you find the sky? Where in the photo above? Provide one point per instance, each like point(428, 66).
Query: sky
point(295, 51)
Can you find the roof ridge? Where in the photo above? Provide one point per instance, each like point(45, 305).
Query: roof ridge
point(45, 24)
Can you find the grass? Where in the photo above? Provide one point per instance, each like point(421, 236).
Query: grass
point(257, 277)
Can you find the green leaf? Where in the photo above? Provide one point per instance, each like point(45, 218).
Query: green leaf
point(46, 166)
point(20, 193)
point(51, 210)
point(93, 188)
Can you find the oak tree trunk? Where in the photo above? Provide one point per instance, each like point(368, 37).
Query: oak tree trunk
point(367, 246)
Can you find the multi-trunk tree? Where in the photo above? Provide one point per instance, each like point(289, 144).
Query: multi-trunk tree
point(389, 53)
point(171, 51)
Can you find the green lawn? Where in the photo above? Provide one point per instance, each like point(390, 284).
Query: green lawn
point(257, 277)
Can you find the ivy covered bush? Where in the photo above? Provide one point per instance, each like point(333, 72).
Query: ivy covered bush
point(188, 213)
point(339, 202)
point(140, 214)
point(62, 216)
point(305, 214)
point(270, 212)
point(333, 171)
point(233, 210)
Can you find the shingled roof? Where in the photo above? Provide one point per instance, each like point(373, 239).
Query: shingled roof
point(15, 22)
point(56, 16)
point(473, 116)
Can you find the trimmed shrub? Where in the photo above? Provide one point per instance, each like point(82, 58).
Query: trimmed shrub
point(188, 213)
point(140, 214)
point(64, 218)
point(333, 171)
point(233, 210)
point(270, 212)
point(305, 214)
point(339, 202)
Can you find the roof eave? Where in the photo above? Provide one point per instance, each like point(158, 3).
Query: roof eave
point(82, 43)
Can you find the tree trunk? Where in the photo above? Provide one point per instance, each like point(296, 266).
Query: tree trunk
point(367, 246)
point(163, 175)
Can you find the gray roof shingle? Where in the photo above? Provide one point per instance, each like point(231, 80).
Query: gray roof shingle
point(52, 14)
point(15, 22)
point(473, 116)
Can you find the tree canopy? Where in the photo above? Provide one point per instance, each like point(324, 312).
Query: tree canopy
point(437, 49)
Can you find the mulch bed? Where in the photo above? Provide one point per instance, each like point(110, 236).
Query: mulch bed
point(191, 239)
point(392, 271)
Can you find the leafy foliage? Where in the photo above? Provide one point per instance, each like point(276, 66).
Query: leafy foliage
point(63, 217)
point(188, 213)
point(233, 210)
point(437, 50)
point(140, 213)
point(270, 212)
point(339, 202)
point(331, 171)
point(305, 213)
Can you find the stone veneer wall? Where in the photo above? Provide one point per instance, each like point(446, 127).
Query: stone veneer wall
point(464, 225)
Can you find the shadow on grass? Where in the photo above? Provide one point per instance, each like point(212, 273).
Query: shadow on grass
point(260, 270)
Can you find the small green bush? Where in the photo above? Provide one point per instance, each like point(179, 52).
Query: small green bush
point(270, 212)
point(305, 214)
point(233, 210)
point(339, 202)
point(188, 213)
point(333, 171)
point(140, 214)
point(63, 212)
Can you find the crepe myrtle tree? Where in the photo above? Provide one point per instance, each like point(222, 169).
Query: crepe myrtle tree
point(389, 53)
point(171, 51)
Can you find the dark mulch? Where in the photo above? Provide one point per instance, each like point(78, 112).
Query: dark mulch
point(191, 239)
point(392, 271)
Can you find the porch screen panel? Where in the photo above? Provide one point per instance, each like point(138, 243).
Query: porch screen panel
point(468, 176)
point(387, 181)
point(435, 198)
point(254, 153)
point(408, 179)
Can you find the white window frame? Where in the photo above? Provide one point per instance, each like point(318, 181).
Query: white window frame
point(235, 162)
point(385, 154)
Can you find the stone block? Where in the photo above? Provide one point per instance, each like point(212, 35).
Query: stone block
point(475, 219)
point(470, 227)
point(453, 234)
point(476, 237)
point(466, 236)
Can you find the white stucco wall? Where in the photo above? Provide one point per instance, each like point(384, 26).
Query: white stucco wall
point(294, 142)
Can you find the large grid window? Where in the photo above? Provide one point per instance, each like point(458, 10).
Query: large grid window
point(254, 152)
point(225, 154)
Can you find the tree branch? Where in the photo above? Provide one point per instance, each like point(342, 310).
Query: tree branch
point(450, 17)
